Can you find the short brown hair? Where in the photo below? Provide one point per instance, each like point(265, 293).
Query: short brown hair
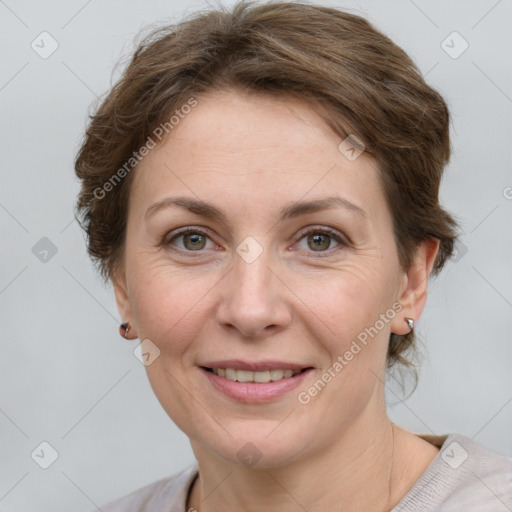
point(363, 85)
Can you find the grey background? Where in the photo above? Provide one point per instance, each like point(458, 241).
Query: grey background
point(67, 378)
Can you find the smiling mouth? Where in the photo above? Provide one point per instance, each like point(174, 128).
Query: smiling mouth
point(261, 377)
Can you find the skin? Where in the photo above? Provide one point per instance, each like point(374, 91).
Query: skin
point(250, 155)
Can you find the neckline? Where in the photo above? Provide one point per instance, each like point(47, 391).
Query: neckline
point(439, 441)
point(192, 473)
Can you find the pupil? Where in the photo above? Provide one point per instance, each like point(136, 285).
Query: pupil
point(317, 241)
point(195, 239)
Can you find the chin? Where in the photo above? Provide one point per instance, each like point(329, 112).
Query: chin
point(260, 444)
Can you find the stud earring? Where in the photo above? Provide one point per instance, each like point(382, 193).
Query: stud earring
point(410, 323)
point(123, 329)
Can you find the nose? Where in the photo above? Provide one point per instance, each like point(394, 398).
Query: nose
point(253, 299)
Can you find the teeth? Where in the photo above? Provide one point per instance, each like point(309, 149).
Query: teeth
point(248, 376)
point(230, 374)
point(244, 376)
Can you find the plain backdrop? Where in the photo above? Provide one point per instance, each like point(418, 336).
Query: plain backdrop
point(69, 380)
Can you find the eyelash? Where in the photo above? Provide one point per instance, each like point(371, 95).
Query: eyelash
point(302, 233)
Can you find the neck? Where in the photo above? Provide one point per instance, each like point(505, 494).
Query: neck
point(352, 472)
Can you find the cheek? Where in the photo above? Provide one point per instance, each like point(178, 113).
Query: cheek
point(351, 306)
point(169, 302)
point(348, 308)
point(170, 306)
point(170, 310)
point(347, 301)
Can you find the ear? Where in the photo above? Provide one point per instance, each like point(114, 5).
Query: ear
point(413, 293)
point(122, 298)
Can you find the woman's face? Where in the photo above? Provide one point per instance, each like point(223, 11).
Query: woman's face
point(266, 286)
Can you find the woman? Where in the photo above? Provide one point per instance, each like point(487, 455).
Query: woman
point(261, 187)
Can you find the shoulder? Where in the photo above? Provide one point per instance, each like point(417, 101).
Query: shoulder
point(465, 476)
point(165, 494)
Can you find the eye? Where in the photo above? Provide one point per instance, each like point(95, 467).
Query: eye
point(320, 239)
point(193, 240)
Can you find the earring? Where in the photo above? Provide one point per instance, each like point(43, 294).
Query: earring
point(123, 329)
point(410, 323)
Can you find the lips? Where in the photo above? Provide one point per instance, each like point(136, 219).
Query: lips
point(254, 392)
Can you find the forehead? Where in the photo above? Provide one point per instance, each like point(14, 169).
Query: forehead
point(257, 149)
point(235, 121)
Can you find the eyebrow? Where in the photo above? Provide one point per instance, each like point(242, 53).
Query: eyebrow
point(290, 211)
